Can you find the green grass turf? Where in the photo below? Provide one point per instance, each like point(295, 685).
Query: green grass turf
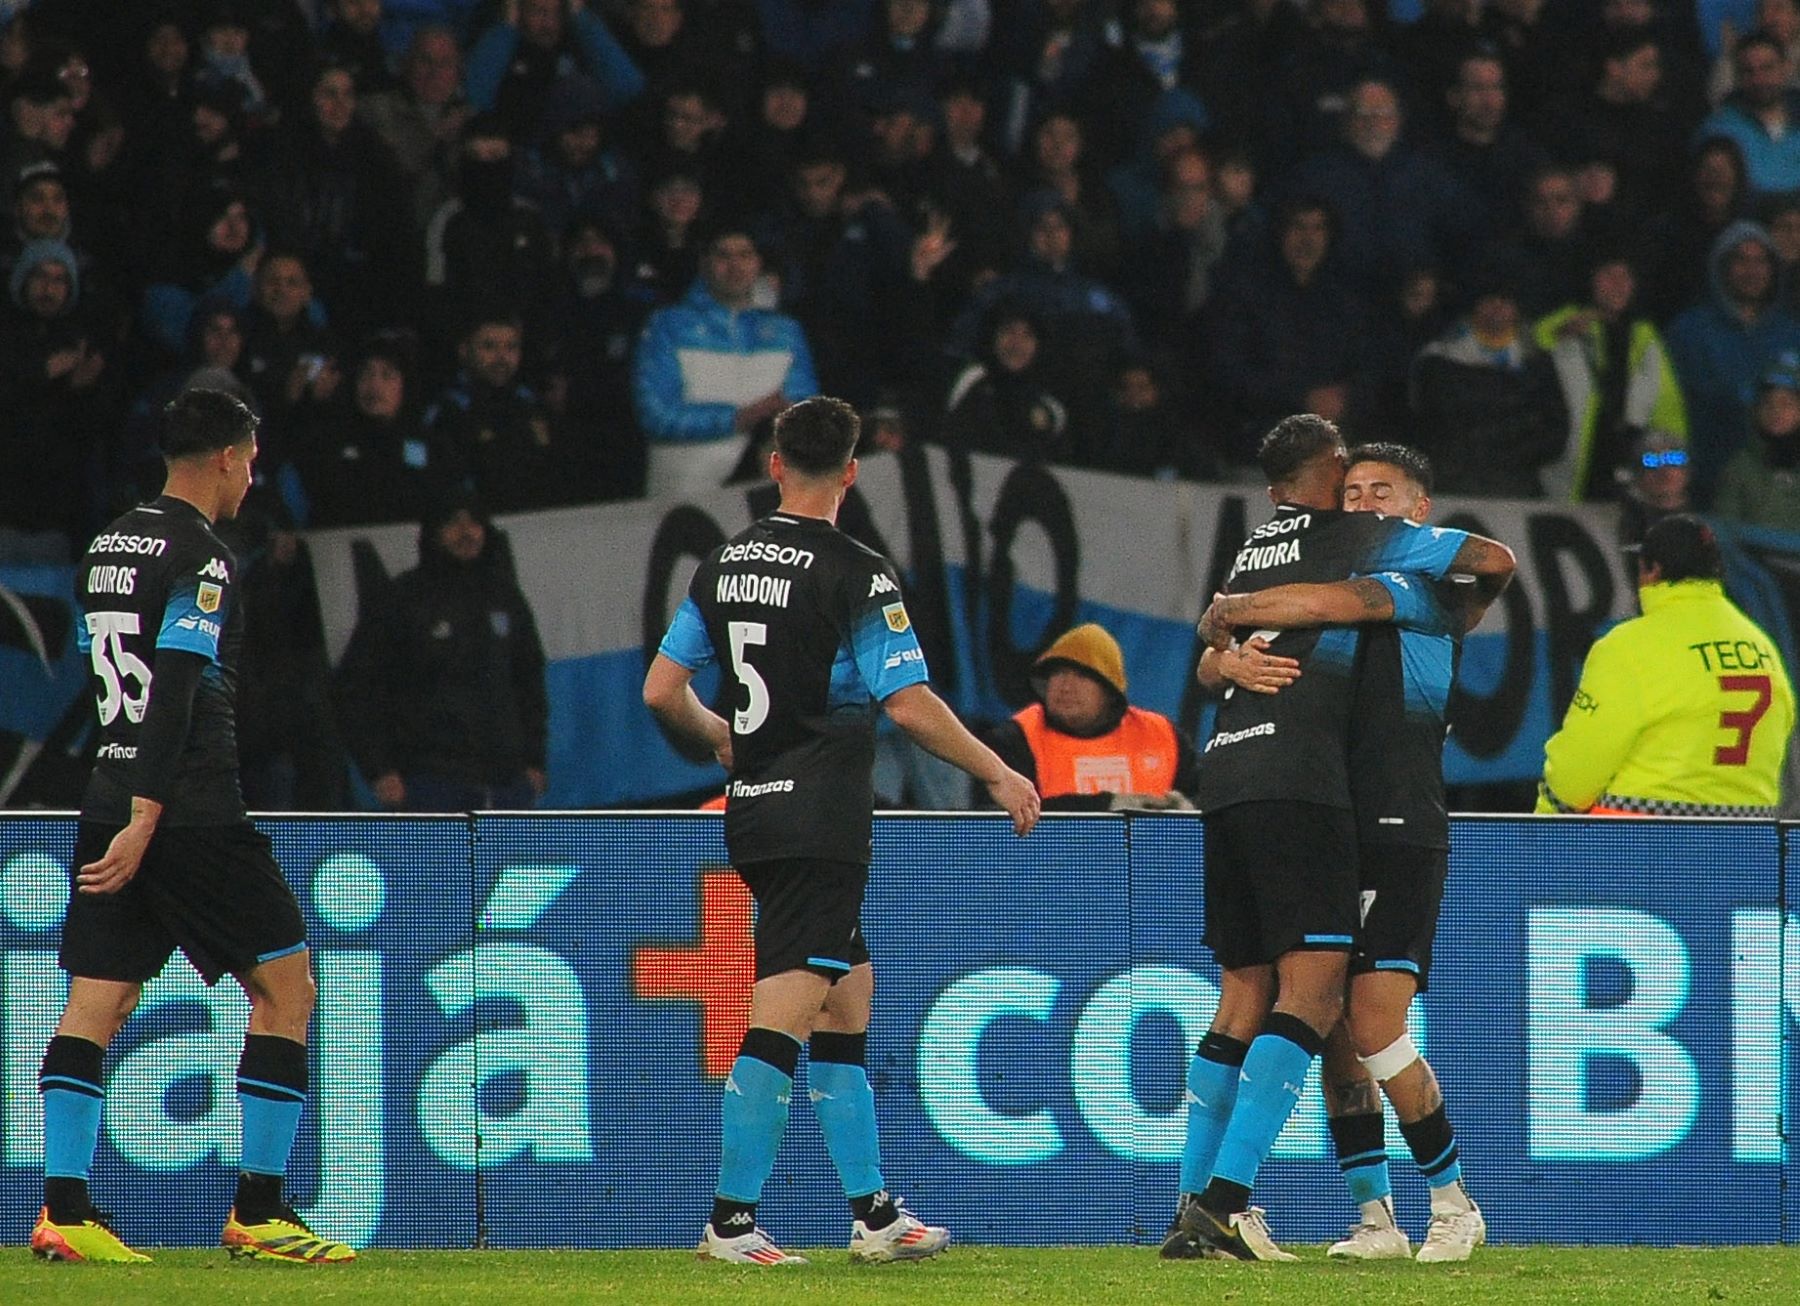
point(1511, 1276)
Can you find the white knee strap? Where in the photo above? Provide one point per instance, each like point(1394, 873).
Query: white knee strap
point(1392, 1059)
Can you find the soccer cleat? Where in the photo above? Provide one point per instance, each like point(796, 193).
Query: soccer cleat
point(908, 1238)
point(1373, 1242)
point(1242, 1235)
point(87, 1239)
point(1451, 1236)
point(753, 1248)
point(284, 1237)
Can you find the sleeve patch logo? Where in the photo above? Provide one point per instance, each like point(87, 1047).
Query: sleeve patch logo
point(216, 569)
point(208, 596)
point(880, 584)
point(897, 620)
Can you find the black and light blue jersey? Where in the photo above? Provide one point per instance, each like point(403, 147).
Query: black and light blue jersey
point(814, 633)
point(1398, 713)
point(1291, 746)
point(158, 578)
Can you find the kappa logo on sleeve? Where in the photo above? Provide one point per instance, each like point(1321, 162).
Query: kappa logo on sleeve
point(880, 584)
point(216, 569)
point(207, 597)
point(897, 620)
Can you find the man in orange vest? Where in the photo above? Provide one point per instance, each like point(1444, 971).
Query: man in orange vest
point(1084, 746)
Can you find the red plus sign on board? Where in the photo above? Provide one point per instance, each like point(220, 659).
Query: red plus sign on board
point(717, 972)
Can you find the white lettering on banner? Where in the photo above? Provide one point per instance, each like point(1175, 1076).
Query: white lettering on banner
point(784, 555)
point(949, 1053)
point(1764, 1000)
point(1566, 1035)
point(768, 590)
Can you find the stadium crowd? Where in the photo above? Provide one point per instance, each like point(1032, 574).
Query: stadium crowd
point(560, 251)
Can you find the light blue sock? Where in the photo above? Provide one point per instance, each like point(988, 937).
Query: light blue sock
point(69, 1080)
point(1274, 1073)
point(845, 1105)
point(752, 1120)
point(1212, 1089)
point(271, 1084)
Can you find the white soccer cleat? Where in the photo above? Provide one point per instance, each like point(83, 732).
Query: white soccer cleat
point(1252, 1228)
point(908, 1238)
point(1451, 1236)
point(1373, 1242)
point(753, 1248)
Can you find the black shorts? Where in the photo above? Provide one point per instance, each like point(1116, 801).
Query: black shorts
point(214, 891)
point(1280, 878)
point(1402, 889)
point(808, 915)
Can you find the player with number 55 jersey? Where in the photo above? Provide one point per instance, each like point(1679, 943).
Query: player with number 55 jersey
point(1684, 711)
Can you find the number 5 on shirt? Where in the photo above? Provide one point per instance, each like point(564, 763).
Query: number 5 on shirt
point(743, 634)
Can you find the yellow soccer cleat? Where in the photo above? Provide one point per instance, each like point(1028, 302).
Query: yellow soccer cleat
point(284, 1237)
point(88, 1239)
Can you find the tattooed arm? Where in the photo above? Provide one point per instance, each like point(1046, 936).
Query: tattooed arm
point(1340, 603)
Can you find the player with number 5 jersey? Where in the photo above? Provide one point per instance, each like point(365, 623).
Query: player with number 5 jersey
point(1684, 711)
point(813, 633)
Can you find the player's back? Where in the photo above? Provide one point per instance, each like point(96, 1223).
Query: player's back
point(812, 627)
point(158, 578)
point(1291, 745)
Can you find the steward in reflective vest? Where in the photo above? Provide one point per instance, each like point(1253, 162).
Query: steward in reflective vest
point(1684, 711)
point(1083, 745)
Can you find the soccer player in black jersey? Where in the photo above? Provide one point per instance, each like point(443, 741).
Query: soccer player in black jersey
point(814, 633)
point(165, 855)
point(1396, 759)
point(1281, 870)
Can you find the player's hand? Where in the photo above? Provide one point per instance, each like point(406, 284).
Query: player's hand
point(1215, 628)
point(1020, 799)
point(123, 857)
point(1251, 666)
point(390, 789)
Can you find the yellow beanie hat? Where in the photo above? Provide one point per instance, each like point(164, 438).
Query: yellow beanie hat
point(1089, 647)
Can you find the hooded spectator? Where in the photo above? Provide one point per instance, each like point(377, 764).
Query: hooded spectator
point(1003, 403)
point(216, 254)
point(1761, 484)
point(573, 170)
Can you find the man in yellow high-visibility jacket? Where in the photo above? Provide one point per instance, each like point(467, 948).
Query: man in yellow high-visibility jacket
point(1684, 711)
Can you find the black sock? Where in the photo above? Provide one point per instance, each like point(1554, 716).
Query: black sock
point(67, 1199)
point(732, 1219)
point(1222, 1197)
point(772, 1047)
point(1433, 1145)
point(876, 1211)
point(258, 1197)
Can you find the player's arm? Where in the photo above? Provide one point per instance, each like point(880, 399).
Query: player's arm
point(1598, 733)
point(174, 680)
point(1492, 565)
point(1248, 665)
point(1287, 607)
point(669, 693)
point(929, 723)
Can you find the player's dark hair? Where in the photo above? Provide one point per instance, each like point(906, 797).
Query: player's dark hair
point(1409, 460)
point(1293, 443)
point(817, 436)
point(204, 421)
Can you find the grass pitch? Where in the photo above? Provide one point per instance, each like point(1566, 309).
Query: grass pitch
point(1088, 1276)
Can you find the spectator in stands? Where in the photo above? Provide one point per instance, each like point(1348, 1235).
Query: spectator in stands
point(670, 240)
point(1721, 345)
point(784, 123)
point(1616, 380)
point(514, 62)
point(964, 182)
point(1417, 316)
point(1487, 408)
point(1082, 743)
point(1483, 148)
point(1396, 208)
point(290, 356)
point(900, 54)
point(1153, 52)
point(157, 99)
point(216, 253)
point(332, 192)
point(1049, 55)
point(487, 244)
point(1283, 333)
point(489, 422)
point(1172, 271)
point(692, 137)
point(1340, 45)
point(214, 350)
point(1781, 20)
point(441, 692)
point(712, 369)
point(572, 169)
point(54, 391)
point(1762, 114)
point(208, 152)
point(1085, 326)
point(1173, 127)
point(421, 120)
point(594, 324)
point(368, 458)
point(42, 120)
point(1057, 164)
point(352, 41)
point(1005, 401)
point(1434, 48)
point(1659, 486)
point(1551, 254)
point(1531, 49)
point(1677, 243)
point(657, 39)
point(902, 134)
point(1761, 484)
point(1146, 433)
point(225, 56)
point(1625, 119)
